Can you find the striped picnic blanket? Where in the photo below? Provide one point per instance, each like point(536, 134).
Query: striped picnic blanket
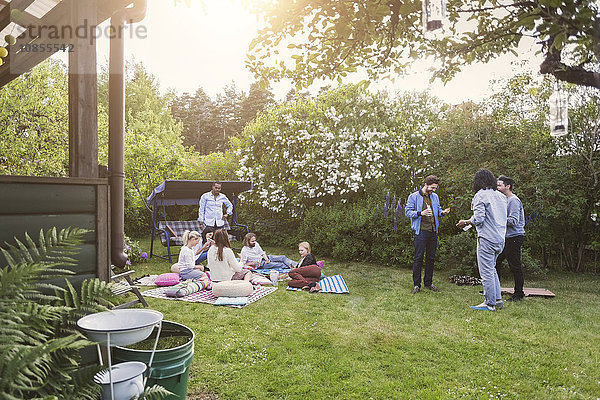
point(330, 284)
point(206, 296)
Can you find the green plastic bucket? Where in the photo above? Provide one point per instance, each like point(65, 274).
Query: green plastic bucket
point(171, 363)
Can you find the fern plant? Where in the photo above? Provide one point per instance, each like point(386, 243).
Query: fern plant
point(40, 345)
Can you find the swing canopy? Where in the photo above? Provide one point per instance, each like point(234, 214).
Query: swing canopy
point(186, 192)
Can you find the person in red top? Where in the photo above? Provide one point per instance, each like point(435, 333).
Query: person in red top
point(307, 274)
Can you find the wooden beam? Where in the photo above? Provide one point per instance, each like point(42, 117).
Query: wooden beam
point(15, 4)
point(83, 95)
point(58, 16)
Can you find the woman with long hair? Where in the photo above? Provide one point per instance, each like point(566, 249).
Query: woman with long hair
point(489, 217)
point(222, 263)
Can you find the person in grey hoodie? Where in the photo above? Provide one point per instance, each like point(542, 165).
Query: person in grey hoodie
point(515, 233)
point(489, 217)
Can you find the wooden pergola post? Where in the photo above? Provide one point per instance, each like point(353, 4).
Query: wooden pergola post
point(83, 92)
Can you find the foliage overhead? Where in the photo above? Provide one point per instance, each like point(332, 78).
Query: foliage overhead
point(304, 39)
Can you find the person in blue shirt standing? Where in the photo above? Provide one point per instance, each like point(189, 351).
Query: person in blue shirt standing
point(489, 218)
point(210, 212)
point(515, 234)
point(424, 210)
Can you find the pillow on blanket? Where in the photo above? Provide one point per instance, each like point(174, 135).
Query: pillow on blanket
point(185, 288)
point(260, 280)
point(232, 289)
point(321, 264)
point(231, 301)
point(167, 279)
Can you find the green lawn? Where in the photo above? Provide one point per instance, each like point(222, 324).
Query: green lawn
point(382, 342)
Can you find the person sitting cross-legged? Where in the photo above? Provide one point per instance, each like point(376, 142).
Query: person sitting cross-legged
point(221, 260)
point(253, 256)
point(307, 274)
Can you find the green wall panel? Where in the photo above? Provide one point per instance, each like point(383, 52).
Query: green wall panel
point(17, 225)
point(20, 198)
point(85, 259)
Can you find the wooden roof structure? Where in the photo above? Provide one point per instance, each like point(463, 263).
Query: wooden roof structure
point(45, 13)
point(40, 28)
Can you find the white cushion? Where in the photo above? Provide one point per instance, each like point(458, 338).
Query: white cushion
point(232, 289)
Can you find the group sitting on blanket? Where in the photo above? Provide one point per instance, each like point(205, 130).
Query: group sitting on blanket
point(223, 265)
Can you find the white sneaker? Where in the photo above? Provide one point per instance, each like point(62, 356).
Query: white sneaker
point(484, 307)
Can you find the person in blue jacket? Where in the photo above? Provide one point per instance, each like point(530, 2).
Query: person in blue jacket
point(424, 210)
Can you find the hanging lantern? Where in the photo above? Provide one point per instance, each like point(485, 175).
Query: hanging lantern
point(559, 113)
point(434, 13)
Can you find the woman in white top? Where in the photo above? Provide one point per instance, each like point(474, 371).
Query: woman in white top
point(222, 263)
point(187, 257)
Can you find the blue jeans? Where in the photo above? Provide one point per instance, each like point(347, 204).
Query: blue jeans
point(487, 254)
point(425, 242)
point(203, 256)
point(276, 262)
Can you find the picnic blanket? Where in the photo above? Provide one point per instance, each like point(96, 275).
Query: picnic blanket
point(330, 284)
point(267, 271)
point(206, 296)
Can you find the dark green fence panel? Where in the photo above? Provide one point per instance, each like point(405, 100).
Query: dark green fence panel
point(20, 198)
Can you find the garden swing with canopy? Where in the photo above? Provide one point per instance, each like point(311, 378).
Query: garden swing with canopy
point(188, 192)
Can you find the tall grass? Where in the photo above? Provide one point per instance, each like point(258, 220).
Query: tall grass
point(382, 342)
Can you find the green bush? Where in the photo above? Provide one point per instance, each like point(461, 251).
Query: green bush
point(351, 232)
point(458, 254)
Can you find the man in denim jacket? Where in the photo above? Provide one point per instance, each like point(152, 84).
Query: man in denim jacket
point(424, 210)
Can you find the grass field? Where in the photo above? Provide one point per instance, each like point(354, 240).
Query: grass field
point(382, 342)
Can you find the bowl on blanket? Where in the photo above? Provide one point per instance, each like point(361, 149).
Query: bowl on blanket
point(232, 289)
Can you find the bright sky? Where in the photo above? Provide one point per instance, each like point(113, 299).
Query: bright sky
point(190, 47)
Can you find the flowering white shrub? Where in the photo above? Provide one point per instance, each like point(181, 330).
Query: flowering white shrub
point(329, 149)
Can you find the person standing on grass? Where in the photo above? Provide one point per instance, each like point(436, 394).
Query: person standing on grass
point(424, 210)
point(489, 217)
point(515, 234)
point(210, 211)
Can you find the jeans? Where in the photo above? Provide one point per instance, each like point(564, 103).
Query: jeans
point(276, 262)
point(487, 253)
point(425, 242)
point(512, 253)
point(202, 257)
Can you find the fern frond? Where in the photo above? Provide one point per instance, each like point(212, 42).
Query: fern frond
point(32, 247)
point(155, 392)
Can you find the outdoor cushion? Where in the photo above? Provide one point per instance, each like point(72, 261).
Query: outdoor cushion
point(231, 301)
point(167, 279)
point(321, 264)
point(260, 280)
point(232, 289)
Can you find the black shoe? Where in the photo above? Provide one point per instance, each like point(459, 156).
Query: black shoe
point(433, 288)
point(416, 290)
point(515, 298)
